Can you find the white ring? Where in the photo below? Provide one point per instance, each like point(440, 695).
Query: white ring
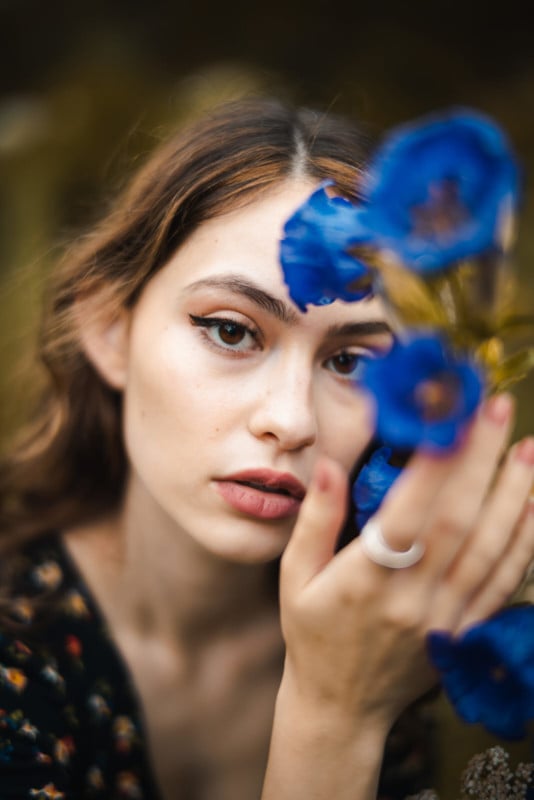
point(378, 550)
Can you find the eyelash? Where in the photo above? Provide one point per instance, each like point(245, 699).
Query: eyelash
point(359, 359)
point(210, 324)
point(213, 325)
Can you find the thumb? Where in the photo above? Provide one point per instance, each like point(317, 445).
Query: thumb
point(312, 544)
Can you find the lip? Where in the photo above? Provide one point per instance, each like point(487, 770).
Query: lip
point(271, 480)
point(254, 492)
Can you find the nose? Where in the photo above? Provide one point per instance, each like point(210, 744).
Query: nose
point(284, 409)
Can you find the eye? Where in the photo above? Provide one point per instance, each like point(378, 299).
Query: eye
point(346, 364)
point(227, 333)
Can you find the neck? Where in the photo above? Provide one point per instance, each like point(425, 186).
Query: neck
point(158, 581)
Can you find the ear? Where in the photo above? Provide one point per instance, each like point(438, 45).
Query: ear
point(104, 335)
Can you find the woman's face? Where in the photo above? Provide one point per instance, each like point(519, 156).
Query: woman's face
point(231, 393)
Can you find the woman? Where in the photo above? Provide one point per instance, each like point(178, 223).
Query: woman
point(199, 428)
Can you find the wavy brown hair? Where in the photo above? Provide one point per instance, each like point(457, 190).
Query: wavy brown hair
point(69, 465)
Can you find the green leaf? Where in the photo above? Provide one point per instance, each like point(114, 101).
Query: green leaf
point(517, 326)
point(408, 296)
point(511, 369)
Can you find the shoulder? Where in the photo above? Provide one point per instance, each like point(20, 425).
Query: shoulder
point(49, 626)
point(37, 719)
point(69, 719)
point(39, 709)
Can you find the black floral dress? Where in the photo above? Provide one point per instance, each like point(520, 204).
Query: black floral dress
point(70, 725)
point(70, 721)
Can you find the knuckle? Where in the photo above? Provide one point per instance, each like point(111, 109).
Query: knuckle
point(478, 562)
point(348, 597)
point(404, 616)
point(449, 521)
point(462, 581)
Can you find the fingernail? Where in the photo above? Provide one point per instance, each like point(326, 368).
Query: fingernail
point(499, 408)
point(524, 451)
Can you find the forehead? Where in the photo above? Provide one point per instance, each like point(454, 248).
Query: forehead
point(243, 246)
point(249, 235)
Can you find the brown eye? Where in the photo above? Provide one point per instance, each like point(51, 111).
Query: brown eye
point(227, 334)
point(231, 333)
point(346, 365)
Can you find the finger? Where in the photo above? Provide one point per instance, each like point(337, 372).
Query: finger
point(407, 505)
point(464, 492)
point(313, 542)
point(498, 521)
point(508, 575)
point(440, 496)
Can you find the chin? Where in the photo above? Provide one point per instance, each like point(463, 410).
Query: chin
point(252, 543)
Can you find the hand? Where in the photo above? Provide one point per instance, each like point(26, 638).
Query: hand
point(355, 631)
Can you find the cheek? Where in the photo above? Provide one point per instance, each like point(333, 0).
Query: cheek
point(348, 431)
point(163, 401)
point(173, 404)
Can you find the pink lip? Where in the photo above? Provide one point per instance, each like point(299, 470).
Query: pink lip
point(258, 502)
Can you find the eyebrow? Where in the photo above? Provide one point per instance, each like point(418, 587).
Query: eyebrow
point(369, 327)
point(281, 310)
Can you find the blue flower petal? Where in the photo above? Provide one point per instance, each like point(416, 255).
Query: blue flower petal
point(488, 672)
point(424, 395)
point(373, 481)
point(440, 650)
point(437, 189)
point(313, 251)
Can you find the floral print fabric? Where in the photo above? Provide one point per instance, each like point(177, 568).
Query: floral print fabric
point(70, 721)
point(70, 726)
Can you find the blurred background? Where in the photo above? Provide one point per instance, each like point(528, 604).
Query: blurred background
point(88, 88)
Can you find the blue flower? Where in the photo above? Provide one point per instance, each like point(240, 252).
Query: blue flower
point(488, 672)
point(423, 393)
point(313, 252)
point(438, 189)
point(372, 483)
